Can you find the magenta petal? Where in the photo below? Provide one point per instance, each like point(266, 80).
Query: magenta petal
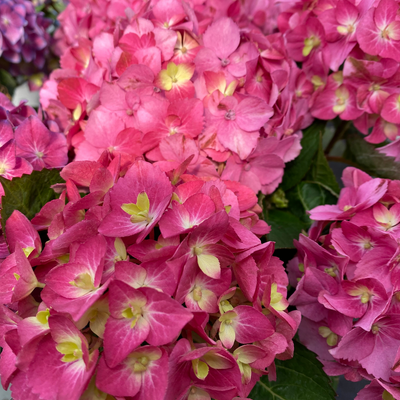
point(165, 316)
point(6, 132)
point(19, 229)
point(251, 325)
point(120, 338)
point(118, 381)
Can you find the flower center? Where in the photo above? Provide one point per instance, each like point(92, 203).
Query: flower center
point(225, 62)
point(141, 364)
point(230, 115)
point(72, 352)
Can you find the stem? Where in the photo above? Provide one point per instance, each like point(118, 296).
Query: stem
point(40, 285)
point(343, 160)
point(340, 130)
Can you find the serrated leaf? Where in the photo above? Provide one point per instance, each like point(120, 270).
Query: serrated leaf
point(285, 227)
point(298, 168)
point(29, 193)
point(311, 195)
point(370, 160)
point(322, 173)
point(300, 378)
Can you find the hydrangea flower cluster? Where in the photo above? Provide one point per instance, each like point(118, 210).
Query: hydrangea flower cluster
point(170, 79)
point(347, 284)
point(365, 36)
point(26, 144)
point(24, 37)
point(152, 285)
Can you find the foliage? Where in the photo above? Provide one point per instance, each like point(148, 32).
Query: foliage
point(29, 193)
point(300, 378)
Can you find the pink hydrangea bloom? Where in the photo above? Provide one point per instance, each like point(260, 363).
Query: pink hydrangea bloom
point(143, 289)
point(349, 297)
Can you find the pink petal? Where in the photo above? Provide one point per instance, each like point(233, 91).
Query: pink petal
point(222, 37)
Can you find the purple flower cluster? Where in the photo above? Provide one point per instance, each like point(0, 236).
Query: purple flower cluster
point(24, 39)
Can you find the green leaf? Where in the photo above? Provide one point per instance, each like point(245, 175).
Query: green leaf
point(300, 378)
point(298, 168)
point(7, 82)
point(366, 156)
point(307, 195)
point(322, 173)
point(310, 195)
point(285, 227)
point(29, 193)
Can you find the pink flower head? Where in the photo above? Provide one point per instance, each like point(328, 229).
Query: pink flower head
point(235, 326)
point(365, 299)
point(75, 286)
point(351, 201)
point(41, 147)
point(18, 277)
point(221, 52)
point(306, 39)
point(391, 109)
point(186, 48)
point(10, 165)
point(142, 373)
point(211, 368)
point(139, 315)
point(65, 366)
point(19, 230)
point(262, 170)
point(138, 201)
point(169, 14)
point(201, 249)
point(333, 101)
point(379, 30)
point(366, 346)
point(175, 80)
point(237, 122)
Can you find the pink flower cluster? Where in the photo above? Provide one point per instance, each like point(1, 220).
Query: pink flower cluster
point(347, 284)
point(26, 144)
point(365, 36)
point(152, 285)
point(169, 79)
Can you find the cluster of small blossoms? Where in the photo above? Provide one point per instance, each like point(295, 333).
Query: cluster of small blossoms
point(348, 284)
point(24, 37)
point(364, 38)
point(151, 286)
point(170, 79)
point(26, 144)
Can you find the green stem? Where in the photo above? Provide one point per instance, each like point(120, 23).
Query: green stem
point(340, 130)
point(343, 160)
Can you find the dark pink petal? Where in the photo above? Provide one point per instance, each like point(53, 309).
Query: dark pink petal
point(165, 316)
point(251, 325)
point(20, 230)
point(118, 381)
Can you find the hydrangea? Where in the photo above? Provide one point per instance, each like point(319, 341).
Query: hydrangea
point(24, 37)
point(26, 144)
point(351, 51)
point(159, 80)
point(152, 285)
point(347, 284)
